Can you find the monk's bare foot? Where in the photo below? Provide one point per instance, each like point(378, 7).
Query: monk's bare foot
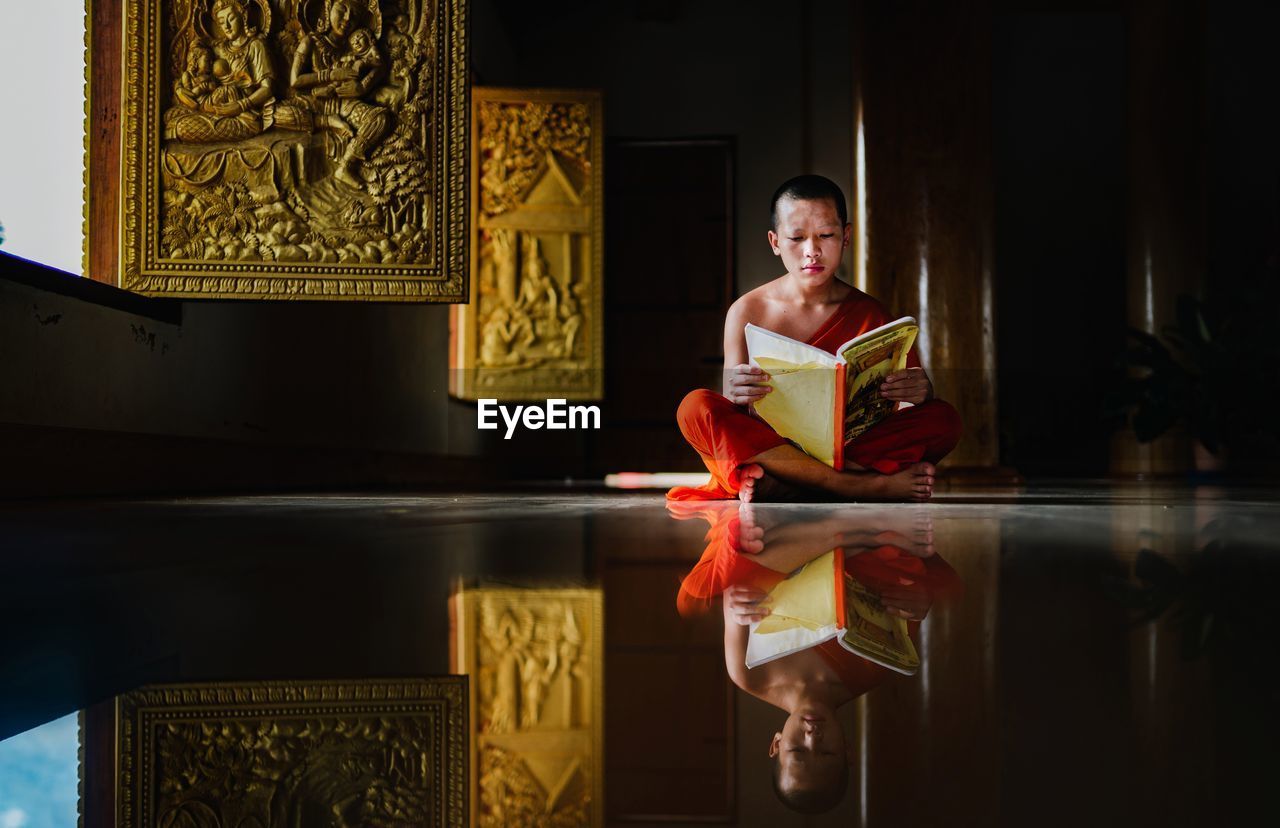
point(758, 486)
point(911, 530)
point(750, 530)
point(912, 483)
point(749, 476)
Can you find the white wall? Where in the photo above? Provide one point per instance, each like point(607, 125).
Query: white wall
point(42, 130)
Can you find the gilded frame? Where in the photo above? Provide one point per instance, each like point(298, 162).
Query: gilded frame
point(148, 717)
point(438, 273)
point(580, 376)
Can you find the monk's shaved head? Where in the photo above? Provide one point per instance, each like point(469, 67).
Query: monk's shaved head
point(812, 790)
point(808, 188)
point(810, 762)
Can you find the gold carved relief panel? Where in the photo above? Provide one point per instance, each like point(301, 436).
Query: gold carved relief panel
point(534, 326)
point(535, 658)
point(284, 754)
point(294, 149)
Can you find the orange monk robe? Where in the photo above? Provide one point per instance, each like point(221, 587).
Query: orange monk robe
point(888, 566)
point(727, 435)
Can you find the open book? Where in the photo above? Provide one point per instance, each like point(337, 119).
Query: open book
point(821, 602)
point(822, 401)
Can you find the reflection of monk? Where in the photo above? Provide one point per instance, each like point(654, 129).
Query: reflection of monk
point(748, 459)
point(232, 108)
point(890, 555)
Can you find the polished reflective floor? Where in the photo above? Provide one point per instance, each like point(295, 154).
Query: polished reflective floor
point(1087, 654)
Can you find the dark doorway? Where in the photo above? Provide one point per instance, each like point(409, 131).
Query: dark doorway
point(669, 277)
point(1059, 139)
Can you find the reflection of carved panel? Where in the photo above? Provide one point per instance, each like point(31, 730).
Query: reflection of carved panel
point(535, 657)
point(294, 149)
point(534, 325)
point(369, 753)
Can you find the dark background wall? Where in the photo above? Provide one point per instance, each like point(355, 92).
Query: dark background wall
point(373, 377)
point(1059, 146)
point(775, 80)
point(1243, 160)
point(1065, 136)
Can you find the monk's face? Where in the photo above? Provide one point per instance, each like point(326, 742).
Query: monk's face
point(810, 238)
point(810, 750)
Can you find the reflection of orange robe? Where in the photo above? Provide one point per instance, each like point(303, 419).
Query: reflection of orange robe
point(727, 435)
point(722, 564)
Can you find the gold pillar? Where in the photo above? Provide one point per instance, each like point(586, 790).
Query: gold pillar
point(923, 195)
point(1166, 202)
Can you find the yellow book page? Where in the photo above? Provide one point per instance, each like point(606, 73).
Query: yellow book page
point(807, 599)
point(801, 406)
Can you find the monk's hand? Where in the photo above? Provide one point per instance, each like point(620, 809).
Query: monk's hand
point(743, 604)
point(911, 385)
point(745, 384)
point(907, 600)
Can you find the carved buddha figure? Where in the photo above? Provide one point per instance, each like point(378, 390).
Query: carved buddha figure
point(333, 68)
point(242, 75)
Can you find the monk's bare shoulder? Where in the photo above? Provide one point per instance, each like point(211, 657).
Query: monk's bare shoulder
point(761, 306)
point(751, 306)
point(769, 306)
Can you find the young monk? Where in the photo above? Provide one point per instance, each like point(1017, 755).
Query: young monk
point(749, 460)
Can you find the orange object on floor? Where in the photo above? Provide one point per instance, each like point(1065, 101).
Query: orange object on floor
point(727, 435)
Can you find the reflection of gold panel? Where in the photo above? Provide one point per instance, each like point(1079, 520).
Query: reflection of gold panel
point(283, 149)
point(536, 662)
point(278, 754)
point(534, 327)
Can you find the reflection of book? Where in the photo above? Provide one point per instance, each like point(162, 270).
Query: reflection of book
point(822, 601)
point(822, 401)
